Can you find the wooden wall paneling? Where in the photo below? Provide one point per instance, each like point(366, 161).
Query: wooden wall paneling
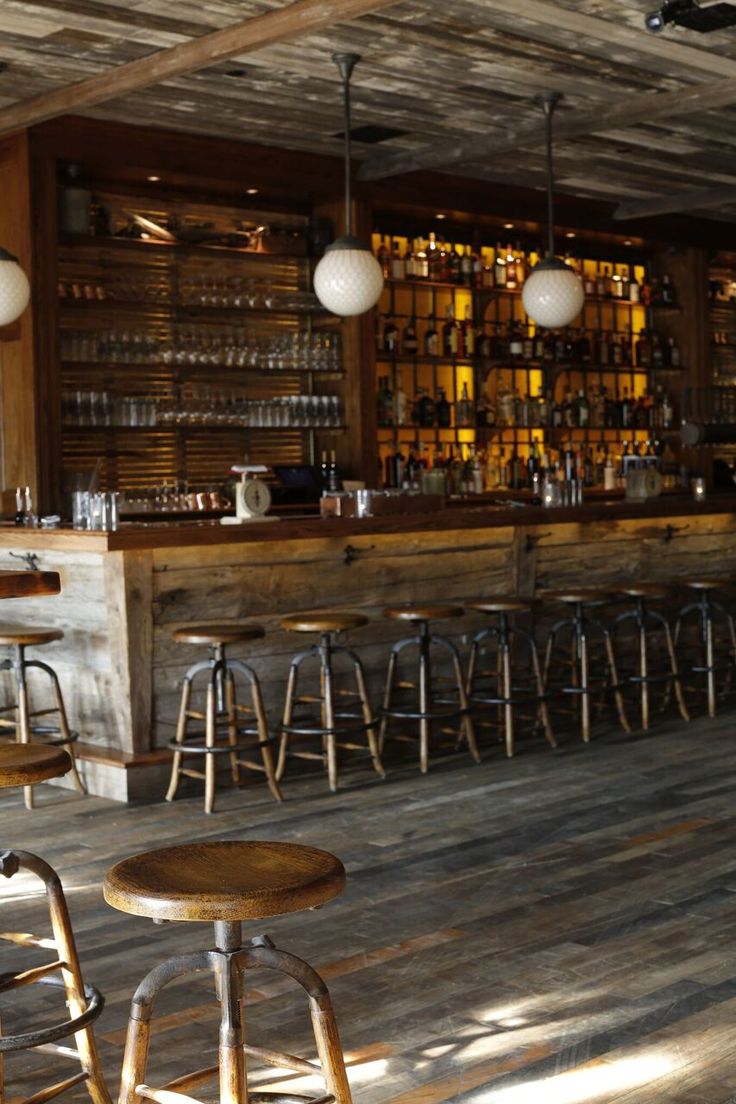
point(18, 374)
point(129, 598)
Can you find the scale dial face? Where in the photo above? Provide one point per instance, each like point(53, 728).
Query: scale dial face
point(256, 497)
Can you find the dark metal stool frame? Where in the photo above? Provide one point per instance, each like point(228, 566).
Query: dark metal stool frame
point(424, 640)
point(642, 615)
point(578, 624)
point(705, 607)
point(504, 633)
point(228, 962)
point(85, 1003)
point(335, 723)
point(56, 735)
point(221, 705)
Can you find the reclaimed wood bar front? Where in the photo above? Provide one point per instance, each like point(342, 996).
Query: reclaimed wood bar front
point(122, 594)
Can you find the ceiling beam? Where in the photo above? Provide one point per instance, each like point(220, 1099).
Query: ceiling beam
point(629, 112)
point(280, 25)
point(694, 199)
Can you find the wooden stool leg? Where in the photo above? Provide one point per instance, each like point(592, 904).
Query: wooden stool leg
point(328, 704)
point(368, 717)
point(541, 691)
point(581, 645)
point(74, 986)
point(232, 724)
point(623, 720)
point(643, 674)
point(677, 680)
point(264, 740)
point(508, 709)
point(386, 704)
point(66, 742)
point(210, 766)
point(329, 1049)
point(286, 720)
point(181, 730)
point(23, 731)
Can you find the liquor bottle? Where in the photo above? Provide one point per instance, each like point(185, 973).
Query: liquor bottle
point(427, 410)
point(516, 340)
point(609, 475)
point(583, 351)
point(464, 409)
point(410, 264)
point(476, 474)
point(421, 264)
point(634, 288)
point(667, 413)
point(443, 410)
point(617, 287)
point(538, 346)
point(471, 268)
point(667, 291)
point(527, 347)
point(643, 351)
point(602, 283)
point(450, 334)
point(625, 419)
point(492, 474)
point(390, 337)
point(583, 410)
point(534, 464)
point(398, 264)
point(544, 407)
point(434, 258)
point(468, 334)
point(512, 281)
point(499, 268)
point(385, 404)
point(409, 340)
point(657, 357)
point(617, 353)
point(589, 285)
point(324, 471)
point(520, 262)
point(431, 339)
point(454, 266)
point(383, 256)
point(647, 291)
point(487, 279)
point(400, 404)
point(673, 353)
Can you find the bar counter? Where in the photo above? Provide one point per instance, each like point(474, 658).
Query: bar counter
point(122, 594)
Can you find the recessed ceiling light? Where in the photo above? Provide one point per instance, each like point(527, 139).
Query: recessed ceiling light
point(508, 226)
point(570, 234)
point(251, 191)
point(628, 241)
point(153, 179)
point(441, 216)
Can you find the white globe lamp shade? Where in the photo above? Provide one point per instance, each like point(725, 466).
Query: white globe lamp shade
point(15, 291)
point(348, 280)
point(552, 294)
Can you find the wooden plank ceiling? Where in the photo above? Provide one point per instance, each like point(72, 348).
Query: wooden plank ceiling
point(457, 77)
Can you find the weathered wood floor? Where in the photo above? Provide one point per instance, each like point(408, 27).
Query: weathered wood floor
point(561, 928)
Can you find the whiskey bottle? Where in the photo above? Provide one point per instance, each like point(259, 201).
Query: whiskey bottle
point(383, 256)
point(431, 339)
point(421, 264)
point(470, 268)
point(443, 410)
point(512, 281)
point(410, 270)
point(634, 288)
point(450, 335)
point(499, 267)
point(409, 340)
point(390, 337)
point(667, 291)
point(643, 351)
point(400, 404)
point(434, 258)
point(454, 266)
point(398, 264)
point(468, 334)
point(464, 410)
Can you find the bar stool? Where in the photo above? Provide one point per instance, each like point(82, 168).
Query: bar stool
point(434, 705)
point(504, 631)
point(222, 711)
point(226, 883)
point(708, 612)
point(335, 728)
point(578, 624)
point(645, 620)
point(18, 638)
point(26, 765)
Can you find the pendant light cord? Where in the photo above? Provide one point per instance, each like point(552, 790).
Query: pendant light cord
point(346, 63)
point(549, 102)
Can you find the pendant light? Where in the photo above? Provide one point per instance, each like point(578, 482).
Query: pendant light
point(348, 280)
point(553, 293)
point(15, 291)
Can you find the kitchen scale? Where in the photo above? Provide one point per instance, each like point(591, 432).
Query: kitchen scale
point(252, 496)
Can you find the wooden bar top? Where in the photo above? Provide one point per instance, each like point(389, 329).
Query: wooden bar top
point(134, 536)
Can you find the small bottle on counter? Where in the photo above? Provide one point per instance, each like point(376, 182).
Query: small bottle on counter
point(20, 514)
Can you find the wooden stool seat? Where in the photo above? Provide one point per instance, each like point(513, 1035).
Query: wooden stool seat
point(27, 764)
point(576, 595)
point(500, 605)
point(322, 622)
point(219, 633)
point(704, 583)
point(227, 880)
point(655, 591)
point(423, 611)
point(23, 634)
